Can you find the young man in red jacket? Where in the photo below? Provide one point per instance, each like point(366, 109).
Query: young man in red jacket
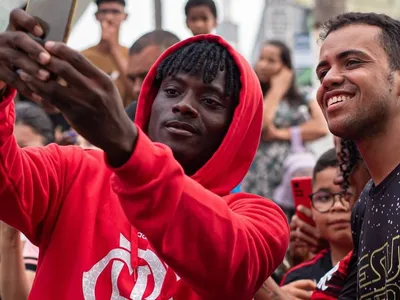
point(139, 221)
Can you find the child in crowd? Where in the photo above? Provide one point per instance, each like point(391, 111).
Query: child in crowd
point(352, 177)
point(201, 16)
point(331, 213)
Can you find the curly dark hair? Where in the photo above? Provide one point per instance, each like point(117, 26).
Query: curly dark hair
point(349, 157)
point(205, 59)
point(389, 37)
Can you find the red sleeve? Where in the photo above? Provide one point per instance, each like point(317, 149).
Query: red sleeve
point(31, 179)
point(223, 248)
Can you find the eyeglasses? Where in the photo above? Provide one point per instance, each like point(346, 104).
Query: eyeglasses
point(114, 12)
point(323, 201)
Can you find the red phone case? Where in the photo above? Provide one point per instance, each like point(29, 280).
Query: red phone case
point(301, 190)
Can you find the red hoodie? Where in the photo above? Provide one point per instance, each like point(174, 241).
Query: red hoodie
point(145, 230)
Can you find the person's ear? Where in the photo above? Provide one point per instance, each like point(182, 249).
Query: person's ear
point(126, 15)
point(96, 15)
point(396, 82)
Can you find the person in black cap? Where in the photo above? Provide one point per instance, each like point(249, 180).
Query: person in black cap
point(108, 55)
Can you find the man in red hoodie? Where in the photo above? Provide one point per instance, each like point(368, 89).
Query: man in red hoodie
point(139, 221)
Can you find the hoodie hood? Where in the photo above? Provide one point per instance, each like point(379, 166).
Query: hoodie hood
point(230, 163)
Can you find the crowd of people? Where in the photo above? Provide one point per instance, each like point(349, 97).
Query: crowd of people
point(163, 171)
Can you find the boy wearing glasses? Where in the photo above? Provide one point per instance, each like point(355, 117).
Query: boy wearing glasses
point(331, 212)
point(108, 55)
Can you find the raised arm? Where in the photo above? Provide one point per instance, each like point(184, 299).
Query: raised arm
point(224, 247)
point(31, 179)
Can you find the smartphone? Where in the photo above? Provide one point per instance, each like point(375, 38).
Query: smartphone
point(55, 17)
point(301, 191)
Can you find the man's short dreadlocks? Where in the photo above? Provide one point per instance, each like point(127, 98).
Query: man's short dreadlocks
point(204, 58)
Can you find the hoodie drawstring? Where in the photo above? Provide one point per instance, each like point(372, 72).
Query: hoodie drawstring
point(134, 253)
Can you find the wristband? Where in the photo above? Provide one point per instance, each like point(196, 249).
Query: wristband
point(295, 139)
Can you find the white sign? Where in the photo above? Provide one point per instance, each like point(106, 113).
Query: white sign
point(280, 21)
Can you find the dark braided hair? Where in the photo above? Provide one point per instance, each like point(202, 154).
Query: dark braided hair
point(203, 58)
point(349, 157)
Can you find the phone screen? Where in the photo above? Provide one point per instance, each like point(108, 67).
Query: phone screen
point(55, 17)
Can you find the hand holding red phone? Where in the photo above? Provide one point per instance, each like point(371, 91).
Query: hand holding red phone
point(304, 236)
point(302, 232)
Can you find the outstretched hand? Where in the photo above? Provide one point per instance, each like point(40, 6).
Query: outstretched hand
point(19, 51)
point(88, 99)
point(85, 95)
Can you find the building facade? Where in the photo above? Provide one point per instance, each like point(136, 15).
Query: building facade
point(388, 7)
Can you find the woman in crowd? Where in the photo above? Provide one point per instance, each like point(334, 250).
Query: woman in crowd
point(18, 257)
point(287, 116)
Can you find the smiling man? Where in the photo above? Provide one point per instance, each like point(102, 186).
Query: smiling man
point(152, 216)
point(359, 96)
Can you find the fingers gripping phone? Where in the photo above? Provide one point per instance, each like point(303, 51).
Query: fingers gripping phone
point(301, 190)
point(55, 17)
